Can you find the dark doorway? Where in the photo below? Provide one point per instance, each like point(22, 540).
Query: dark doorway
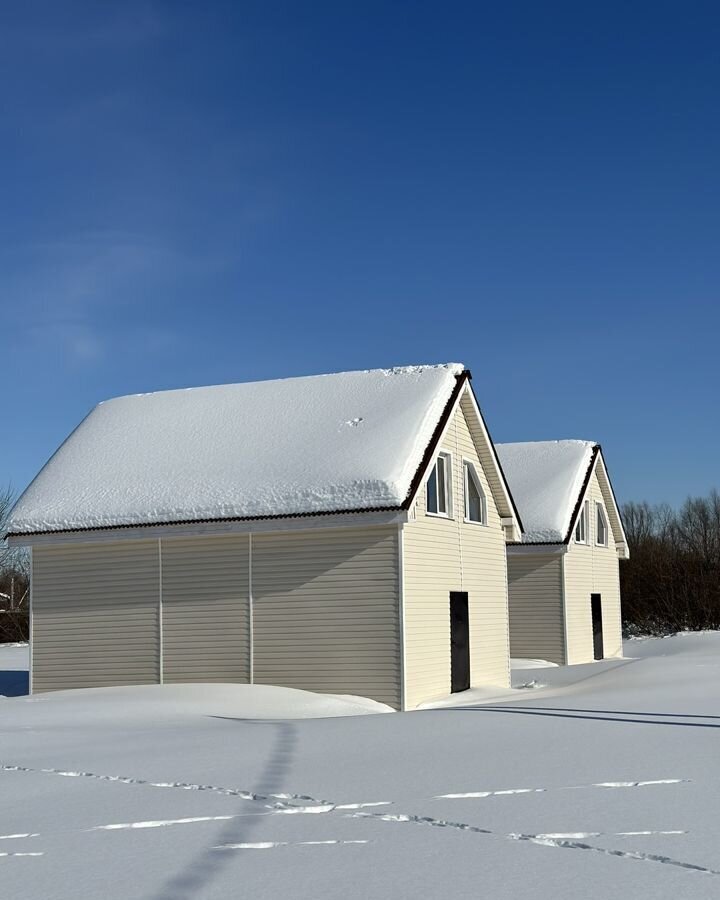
point(459, 642)
point(596, 604)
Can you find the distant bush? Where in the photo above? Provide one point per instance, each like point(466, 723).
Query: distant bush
point(672, 580)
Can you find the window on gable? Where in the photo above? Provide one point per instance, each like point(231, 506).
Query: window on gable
point(475, 502)
point(581, 528)
point(601, 535)
point(438, 487)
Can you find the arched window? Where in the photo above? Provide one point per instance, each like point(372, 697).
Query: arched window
point(581, 529)
point(601, 533)
point(475, 500)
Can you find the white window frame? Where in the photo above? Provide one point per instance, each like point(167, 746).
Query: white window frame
point(584, 520)
point(447, 514)
point(601, 515)
point(469, 471)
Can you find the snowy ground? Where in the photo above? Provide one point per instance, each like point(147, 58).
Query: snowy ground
point(605, 782)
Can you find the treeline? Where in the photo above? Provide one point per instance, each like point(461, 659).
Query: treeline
point(672, 580)
point(14, 582)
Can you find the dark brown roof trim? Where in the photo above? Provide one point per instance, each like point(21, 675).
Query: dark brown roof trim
point(460, 381)
point(586, 482)
point(612, 492)
point(126, 525)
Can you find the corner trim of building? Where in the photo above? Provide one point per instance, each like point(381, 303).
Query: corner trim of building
point(507, 619)
point(161, 661)
point(30, 628)
point(563, 598)
point(251, 604)
point(401, 613)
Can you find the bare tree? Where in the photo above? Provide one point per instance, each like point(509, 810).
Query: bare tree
point(672, 580)
point(14, 579)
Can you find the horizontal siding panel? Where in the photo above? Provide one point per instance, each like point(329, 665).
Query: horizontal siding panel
point(326, 614)
point(537, 629)
point(76, 641)
point(205, 610)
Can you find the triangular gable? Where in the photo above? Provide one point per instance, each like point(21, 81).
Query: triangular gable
point(464, 398)
point(597, 466)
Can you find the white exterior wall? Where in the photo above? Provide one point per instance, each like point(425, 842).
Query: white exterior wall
point(591, 569)
point(448, 554)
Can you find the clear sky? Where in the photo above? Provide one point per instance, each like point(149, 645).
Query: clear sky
point(195, 193)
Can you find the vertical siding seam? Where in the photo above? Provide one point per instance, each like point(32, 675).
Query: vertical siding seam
point(401, 613)
point(251, 630)
point(507, 611)
point(30, 625)
point(160, 613)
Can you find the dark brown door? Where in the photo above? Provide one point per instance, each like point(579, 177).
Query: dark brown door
point(459, 642)
point(596, 604)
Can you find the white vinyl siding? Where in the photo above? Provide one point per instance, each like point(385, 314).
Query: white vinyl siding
point(592, 569)
point(536, 606)
point(205, 609)
point(326, 611)
point(95, 615)
point(444, 555)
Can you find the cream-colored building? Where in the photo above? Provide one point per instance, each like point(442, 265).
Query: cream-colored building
point(564, 575)
point(342, 533)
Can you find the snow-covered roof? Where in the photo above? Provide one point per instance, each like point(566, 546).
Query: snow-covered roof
point(546, 478)
point(350, 441)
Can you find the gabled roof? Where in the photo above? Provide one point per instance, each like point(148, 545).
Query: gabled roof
point(546, 479)
point(549, 480)
point(349, 442)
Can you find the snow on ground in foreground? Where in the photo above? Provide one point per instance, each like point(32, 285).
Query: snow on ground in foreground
point(166, 701)
point(519, 663)
point(603, 783)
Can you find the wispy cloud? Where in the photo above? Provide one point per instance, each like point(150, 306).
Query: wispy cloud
point(119, 28)
point(80, 295)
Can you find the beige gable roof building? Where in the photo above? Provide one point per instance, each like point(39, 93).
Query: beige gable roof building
point(342, 533)
point(563, 576)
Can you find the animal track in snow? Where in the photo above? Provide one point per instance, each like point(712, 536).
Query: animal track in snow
point(421, 820)
point(269, 845)
point(479, 795)
point(630, 784)
point(562, 841)
point(159, 823)
point(546, 841)
point(180, 785)
point(576, 835)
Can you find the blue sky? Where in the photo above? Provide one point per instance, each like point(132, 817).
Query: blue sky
point(196, 193)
